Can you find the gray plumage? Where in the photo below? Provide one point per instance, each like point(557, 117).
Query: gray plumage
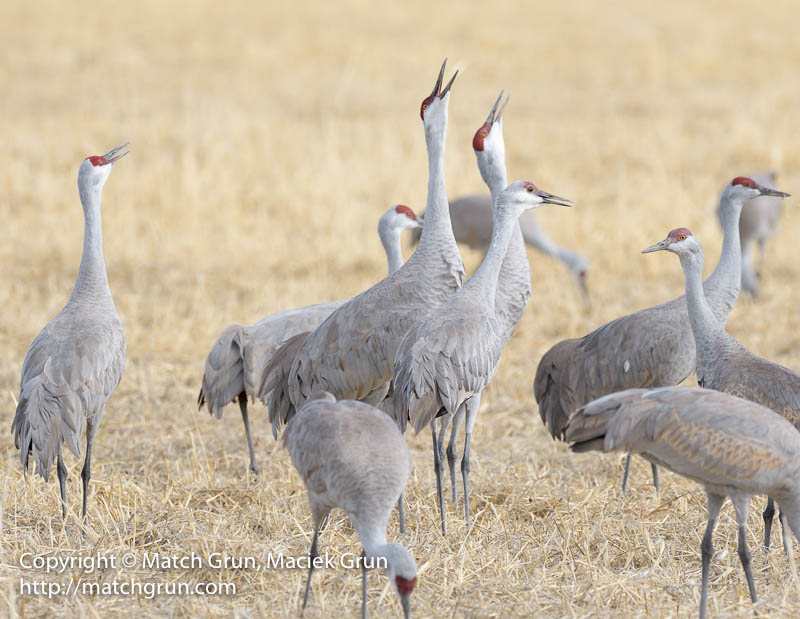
point(351, 353)
point(733, 447)
point(449, 356)
point(757, 225)
point(352, 456)
point(234, 368)
point(723, 364)
point(471, 217)
point(513, 285)
point(77, 360)
point(653, 347)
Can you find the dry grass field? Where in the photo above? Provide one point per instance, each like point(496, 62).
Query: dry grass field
point(265, 142)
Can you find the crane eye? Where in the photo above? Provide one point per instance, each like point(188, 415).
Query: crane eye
point(529, 189)
point(484, 133)
point(424, 106)
point(682, 237)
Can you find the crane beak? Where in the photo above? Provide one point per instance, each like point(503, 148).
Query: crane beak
point(405, 601)
point(112, 156)
point(446, 89)
point(437, 86)
point(549, 198)
point(660, 246)
point(766, 191)
point(420, 221)
point(490, 117)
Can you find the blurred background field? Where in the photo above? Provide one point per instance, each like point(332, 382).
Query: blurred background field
point(266, 140)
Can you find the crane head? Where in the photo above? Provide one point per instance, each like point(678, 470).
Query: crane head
point(495, 118)
point(438, 93)
point(398, 218)
point(95, 169)
point(110, 158)
point(523, 195)
point(744, 188)
point(402, 572)
point(678, 241)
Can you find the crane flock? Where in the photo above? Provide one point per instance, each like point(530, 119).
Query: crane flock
point(344, 379)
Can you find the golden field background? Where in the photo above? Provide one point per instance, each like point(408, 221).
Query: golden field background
point(266, 140)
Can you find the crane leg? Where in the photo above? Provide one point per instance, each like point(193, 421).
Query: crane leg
point(742, 507)
point(437, 467)
point(762, 250)
point(655, 476)
point(312, 555)
point(707, 547)
point(86, 473)
point(401, 513)
point(62, 482)
point(246, 419)
point(451, 449)
point(444, 422)
point(363, 585)
point(787, 545)
point(768, 514)
point(472, 413)
point(625, 474)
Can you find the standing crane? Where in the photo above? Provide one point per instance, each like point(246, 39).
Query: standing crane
point(234, 366)
point(76, 362)
point(723, 363)
point(733, 447)
point(352, 456)
point(514, 281)
point(471, 216)
point(649, 348)
point(351, 354)
point(449, 356)
point(757, 225)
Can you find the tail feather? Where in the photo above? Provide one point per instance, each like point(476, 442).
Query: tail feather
point(274, 390)
point(38, 427)
point(551, 390)
point(223, 377)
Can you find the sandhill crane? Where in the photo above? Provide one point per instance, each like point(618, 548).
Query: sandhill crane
point(733, 447)
point(758, 223)
point(234, 366)
point(449, 356)
point(77, 360)
point(471, 216)
point(514, 280)
point(352, 456)
point(723, 363)
point(653, 347)
point(351, 354)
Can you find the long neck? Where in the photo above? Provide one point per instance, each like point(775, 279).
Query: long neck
point(391, 244)
point(92, 279)
point(704, 324)
point(373, 538)
point(724, 283)
point(437, 211)
point(485, 278)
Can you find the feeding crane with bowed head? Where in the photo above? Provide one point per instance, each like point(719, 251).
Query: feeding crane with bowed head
point(352, 456)
point(723, 363)
point(351, 354)
point(731, 446)
point(653, 347)
point(514, 280)
point(472, 226)
point(758, 223)
point(76, 362)
point(449, 356)
point(236, 362)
